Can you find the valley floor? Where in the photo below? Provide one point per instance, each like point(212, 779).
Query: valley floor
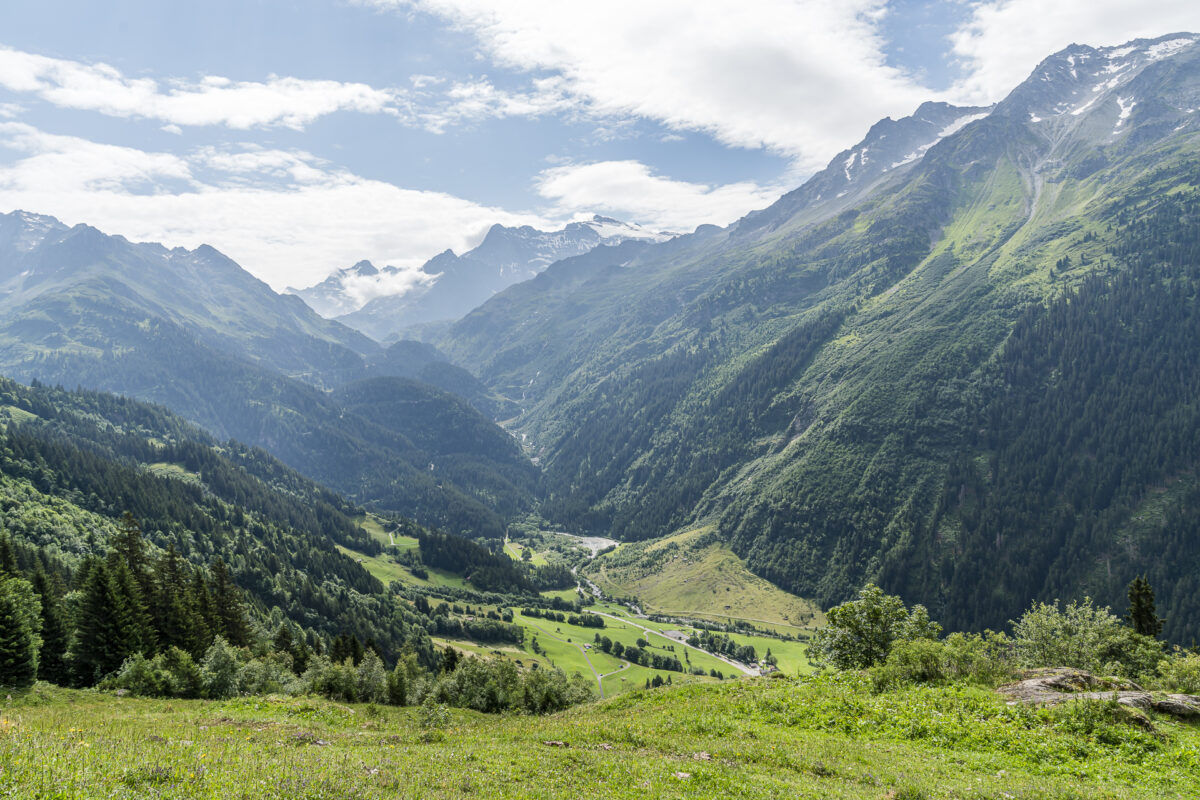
point(810, 738)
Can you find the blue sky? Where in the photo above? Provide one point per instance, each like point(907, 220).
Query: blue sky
point(302, 136)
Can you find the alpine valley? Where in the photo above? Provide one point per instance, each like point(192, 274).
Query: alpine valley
point(954, 376)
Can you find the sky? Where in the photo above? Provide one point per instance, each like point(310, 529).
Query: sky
point(302, 136)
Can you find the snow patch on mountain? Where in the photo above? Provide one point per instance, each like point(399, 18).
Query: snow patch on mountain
point(1164, 49)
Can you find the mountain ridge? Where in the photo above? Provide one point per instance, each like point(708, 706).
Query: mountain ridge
point(366, 298)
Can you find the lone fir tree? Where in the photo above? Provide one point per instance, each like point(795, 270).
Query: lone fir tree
point(1142, 615)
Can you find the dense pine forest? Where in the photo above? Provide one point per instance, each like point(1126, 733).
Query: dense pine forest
point(140, 554)
point(1089, 436)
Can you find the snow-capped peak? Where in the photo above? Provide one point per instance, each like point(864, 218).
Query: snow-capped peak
point(505, 256)
point(29, 230)
point(1081, 80)
point(613, 231)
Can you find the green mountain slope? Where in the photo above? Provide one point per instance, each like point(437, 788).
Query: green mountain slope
point(813, 378)
point(71, 463)
point(53, 278)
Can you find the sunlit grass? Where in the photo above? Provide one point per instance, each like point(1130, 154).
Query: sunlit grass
point(747, 739)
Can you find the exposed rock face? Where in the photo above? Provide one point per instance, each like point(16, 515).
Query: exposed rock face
point(1058, 685)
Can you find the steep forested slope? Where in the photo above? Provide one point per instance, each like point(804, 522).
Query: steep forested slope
point(1087, 437)
point(71, 463)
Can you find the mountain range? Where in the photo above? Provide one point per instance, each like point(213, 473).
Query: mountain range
point(193, 331)
point(383, 303)
point(960, 361)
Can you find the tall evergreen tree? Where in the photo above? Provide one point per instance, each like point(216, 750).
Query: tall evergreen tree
point(136, 626)
point(1143, 616)
point(177, 616)
point(8, 557)
point(20, 619)
point(131, 545)
point(227, 607)
point(52, 664)
point(92, 654)
point(204, 606)
point(111, 624)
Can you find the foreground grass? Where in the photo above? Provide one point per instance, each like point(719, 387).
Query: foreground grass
point(814, 738)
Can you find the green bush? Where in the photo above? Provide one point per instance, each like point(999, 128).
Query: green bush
point(1180, 673)
point(372, 680)
point(269, 674)
point(139, 676)
point(860, 632)
point(337, 681)
point(219, 670)
point(1084, 636)
point(181, 674)
point(985, 659)
point(1104, 721)
point(493, 685)
point(170, 674)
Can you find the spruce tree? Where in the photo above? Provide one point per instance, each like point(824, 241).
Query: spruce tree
point(136, 627)
point(283, 641)
point(397, 685)
point(92, 654)
point(227, 608)
point(1142, 614)
point(204, 607)
point(177, 616)
point(112, 623)
point(52, 664)
point(20, 619)
point(131, 546)
point(8, 558)
point(449, 660)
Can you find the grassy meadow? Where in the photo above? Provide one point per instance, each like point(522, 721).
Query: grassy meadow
point(692, 574)
point(762, 738)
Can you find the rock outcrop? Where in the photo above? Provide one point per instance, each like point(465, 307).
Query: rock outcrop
point(1058, 685)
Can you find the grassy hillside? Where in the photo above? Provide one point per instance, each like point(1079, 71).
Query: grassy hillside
point(694, 573)
point(817, 738)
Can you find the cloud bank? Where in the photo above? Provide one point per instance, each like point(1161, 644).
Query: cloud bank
point(801, 78)
point(631, 190)
point(212, 100)
point(286, 216)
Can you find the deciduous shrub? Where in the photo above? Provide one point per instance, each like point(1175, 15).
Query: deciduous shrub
point(1084, 636)
point(219, 670)
point(1180, 673)
point(860, 632)
point(986, 659)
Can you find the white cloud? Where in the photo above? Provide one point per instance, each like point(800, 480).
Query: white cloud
point(362, 289)
point(630, 190)
point(1004, 40)
point(801, 77)
point(477, 100)
point(213, 100)
point(286, 216)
